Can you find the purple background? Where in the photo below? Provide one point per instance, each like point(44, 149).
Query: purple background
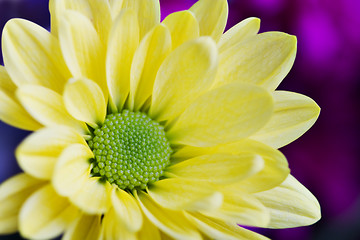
point(327, 68)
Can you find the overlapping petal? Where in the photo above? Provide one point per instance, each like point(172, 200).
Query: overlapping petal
point(85, 227)
point(113, 228)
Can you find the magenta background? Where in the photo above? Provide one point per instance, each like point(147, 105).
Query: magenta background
point(327, 68)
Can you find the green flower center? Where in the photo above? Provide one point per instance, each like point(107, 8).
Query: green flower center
point(130, 150)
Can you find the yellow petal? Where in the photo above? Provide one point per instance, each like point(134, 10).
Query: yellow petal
point(148, 12)
point(127, 209)
point(290, 204)
point(228, 113)
point(148, 231)
point(38, 153)
point(171, 222)
point(218, 168)
point(216, 229)
point(85, 101)
point(6, 84)
point(183, 76)
point(32, 55)
point(13, 193)
point(115, 7)
point(47, 107)
point(101, 18)
point(238, 33)
point(114, 229)
point(185, 194)
point(82, 49)
point(212, 16)
point(155, 46)
point(293, 115)
point(86, 227)
point(123, 42)
point(45, 215)
point(183, 27)
point(264, 60)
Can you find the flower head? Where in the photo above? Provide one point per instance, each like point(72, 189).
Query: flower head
point(149, 130)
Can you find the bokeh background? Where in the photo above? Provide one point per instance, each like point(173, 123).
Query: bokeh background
point(327, 68)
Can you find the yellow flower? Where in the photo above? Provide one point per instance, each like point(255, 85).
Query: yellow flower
point(149, 130)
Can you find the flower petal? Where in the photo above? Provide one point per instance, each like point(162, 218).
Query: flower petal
point(101, 18)
point(148, 231)
point(183, 76)
point(32, 55)
point(290, 204)
point(82, 49)
point(155, 46)
point(123, 42)
point(113, 228)
point(45, 215)
point(6, 84)
point(85, 227)
point(218, 168)
point(171, 222)
point(185, 194)
point(148, 12)
point(115, 7)
point(264, 60)
point(38, 153)
point(224, 114)
point(47, 107)
point(238, 33)
point(127, 210)
point(212, 16)
point(183, 27)
point(293, 115)
point(13, 193)
point(85, 101)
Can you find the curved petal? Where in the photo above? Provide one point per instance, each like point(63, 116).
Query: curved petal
point(13, 193)
point(212, 16)
point(171, 222)
point(85, 101)
point(264, 60)
point(6, 84)
point(153, 49)
point(127, 210)
point(294, 114)
point(228, 113)
point(113, 228)
point(47, 107)
point(45, 215)
point(32, 55)
point(101, 19)
point(115, 7)
point(148, 231)
point(86, 227)
point(238, 33)
point(218, 168)
point(183, 76)
point(148, 12)
point(183, 27)
point(290, 204)
point(38, 153)
point(123, 41)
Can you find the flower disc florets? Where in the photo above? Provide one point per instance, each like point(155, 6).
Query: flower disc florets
point(130, 150)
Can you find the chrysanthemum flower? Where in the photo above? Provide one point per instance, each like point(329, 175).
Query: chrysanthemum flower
point(149, 130)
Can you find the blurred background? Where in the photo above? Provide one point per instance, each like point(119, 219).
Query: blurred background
point(327, 68)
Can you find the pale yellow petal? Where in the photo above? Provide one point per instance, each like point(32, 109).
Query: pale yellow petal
point(123, 42)
point(183, 76)
point(183, 27)
point(45, 214)
point(6, 84)
point(85, 101)
point(101, 18)
point(264, 60)
point(212, 16)
point(38, 153)
point(171, 222)
point(47, 107)
point(148, 12)
point(148, 231)
point(290, 204)
point(32, 55)
point(115, 7)
point(86, 227)
point(152, 50)
point(228, 113)
point(185, 194)
point(218, 168)
point(13, 193)
point(221, 230)
point(238, 33)
point(114, 229)
point(127, 209)
point(293, 115)
point(82, 48)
